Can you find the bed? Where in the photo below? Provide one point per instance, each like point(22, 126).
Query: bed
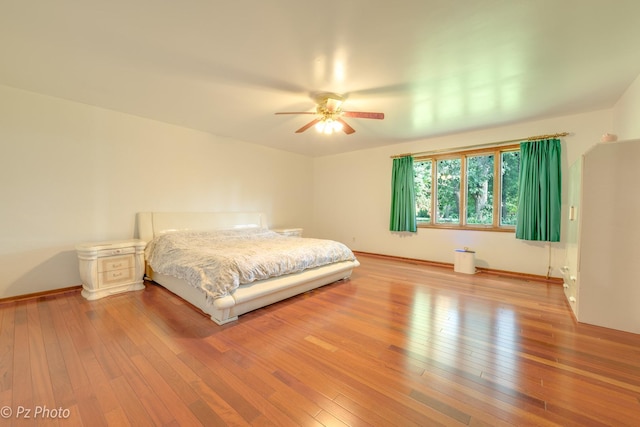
point(225, 304)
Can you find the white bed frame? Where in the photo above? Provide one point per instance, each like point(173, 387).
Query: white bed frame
point(247, 297)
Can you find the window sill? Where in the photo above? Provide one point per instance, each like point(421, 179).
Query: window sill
point(470, 228)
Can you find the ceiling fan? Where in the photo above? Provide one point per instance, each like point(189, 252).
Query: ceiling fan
point(329, 115)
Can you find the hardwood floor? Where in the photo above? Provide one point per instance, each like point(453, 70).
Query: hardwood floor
point(399, 344)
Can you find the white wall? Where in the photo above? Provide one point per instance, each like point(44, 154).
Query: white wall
point(626, 113)
point(353, 192)
point(73, 173)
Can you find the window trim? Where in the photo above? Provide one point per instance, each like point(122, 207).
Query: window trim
point(497, 188)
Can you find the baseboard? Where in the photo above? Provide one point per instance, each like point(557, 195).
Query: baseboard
point(40, 294)
point(502, 273)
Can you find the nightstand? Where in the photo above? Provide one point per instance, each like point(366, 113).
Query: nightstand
point(294, 232)
point(108, 268)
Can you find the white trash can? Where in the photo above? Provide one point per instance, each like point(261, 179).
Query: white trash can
point(464, 261)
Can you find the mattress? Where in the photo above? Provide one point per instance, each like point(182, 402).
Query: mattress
point(220, 261)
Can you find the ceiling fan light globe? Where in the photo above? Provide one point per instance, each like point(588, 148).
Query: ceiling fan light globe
point(320, 126)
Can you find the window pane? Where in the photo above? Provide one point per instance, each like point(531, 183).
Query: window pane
point(422, 177)
point(480, 190)
point(509, 184)
point(448, 191)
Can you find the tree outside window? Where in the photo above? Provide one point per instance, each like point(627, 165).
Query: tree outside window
point(510, 169)
point(422, 176)
point(448, 191)
point(480, 189)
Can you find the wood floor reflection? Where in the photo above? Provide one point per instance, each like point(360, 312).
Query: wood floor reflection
point(400, 344)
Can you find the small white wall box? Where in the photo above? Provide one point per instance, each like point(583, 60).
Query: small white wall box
point(464, 261)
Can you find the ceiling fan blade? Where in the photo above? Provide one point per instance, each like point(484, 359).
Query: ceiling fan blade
point(345, 127)
point(297, 112)
point(363, 115)
point(308, 125)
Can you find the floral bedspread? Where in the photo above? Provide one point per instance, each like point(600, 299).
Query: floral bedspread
point(220, 261)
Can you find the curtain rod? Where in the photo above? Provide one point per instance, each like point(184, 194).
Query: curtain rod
point(489, 144)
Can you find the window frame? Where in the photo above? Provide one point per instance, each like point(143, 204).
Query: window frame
point(497, 188)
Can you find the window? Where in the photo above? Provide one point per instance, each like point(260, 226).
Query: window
point(422, 178)
point(460, 190)
point(510, 170)
point(448, 191)
point(479, 187)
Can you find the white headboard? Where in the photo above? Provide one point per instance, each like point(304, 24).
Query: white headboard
point(151, 224)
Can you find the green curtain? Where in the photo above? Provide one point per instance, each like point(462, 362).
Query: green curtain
point(539, 192)
point(403, 196)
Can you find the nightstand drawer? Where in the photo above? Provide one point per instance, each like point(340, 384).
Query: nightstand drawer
point(105, 252)
point(114, 277)
point(116, 263)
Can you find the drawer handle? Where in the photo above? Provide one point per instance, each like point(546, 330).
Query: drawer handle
point(118, 274)
point(117, 265)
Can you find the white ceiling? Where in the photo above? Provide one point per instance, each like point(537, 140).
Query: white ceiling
point(432, 66)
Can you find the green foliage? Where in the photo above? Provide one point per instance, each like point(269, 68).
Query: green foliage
point(448, 191)
point(422, 175)
point(510, 171)
point(480, 190)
